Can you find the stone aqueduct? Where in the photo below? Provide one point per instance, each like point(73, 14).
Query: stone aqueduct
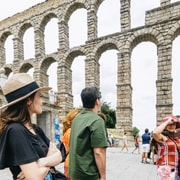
point(162, 26)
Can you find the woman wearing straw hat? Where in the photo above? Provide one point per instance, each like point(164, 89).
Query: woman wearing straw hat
point(168, 147)
point(24, 148)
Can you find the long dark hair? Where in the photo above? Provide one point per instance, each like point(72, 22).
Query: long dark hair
point(171, 135)
point(16, 113)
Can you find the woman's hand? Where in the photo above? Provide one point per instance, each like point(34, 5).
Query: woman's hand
point(21, 176)
point(172, 121)
point(52, 149)
point(52, 158)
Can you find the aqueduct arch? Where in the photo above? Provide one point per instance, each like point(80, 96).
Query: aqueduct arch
point(161, 27)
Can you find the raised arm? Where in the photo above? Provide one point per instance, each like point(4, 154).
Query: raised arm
point(157, 133)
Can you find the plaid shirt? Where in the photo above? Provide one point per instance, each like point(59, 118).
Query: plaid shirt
point(168, 153)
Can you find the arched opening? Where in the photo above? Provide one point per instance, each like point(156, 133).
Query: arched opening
point(78, 28)
point(144, 76)
point(28, 39)
point(9, 51)
point(108, 17)
point(176, 76)
point(51, 36)
point(78, 79)
point(108, 77)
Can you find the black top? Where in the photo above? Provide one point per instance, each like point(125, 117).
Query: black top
point(19, 146)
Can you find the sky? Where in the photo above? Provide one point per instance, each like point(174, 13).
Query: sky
point(144, 89)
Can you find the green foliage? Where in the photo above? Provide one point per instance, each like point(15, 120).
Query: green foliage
point(110, 114)
point(135, 131)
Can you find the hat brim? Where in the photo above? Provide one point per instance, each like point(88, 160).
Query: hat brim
point(42, 89)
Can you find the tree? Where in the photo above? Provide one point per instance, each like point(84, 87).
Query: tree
point(110, 114)
point(135, 131)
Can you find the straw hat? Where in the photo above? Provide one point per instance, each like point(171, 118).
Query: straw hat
point(18, 87)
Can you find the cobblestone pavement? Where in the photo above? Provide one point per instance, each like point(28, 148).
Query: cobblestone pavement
point(120, 166)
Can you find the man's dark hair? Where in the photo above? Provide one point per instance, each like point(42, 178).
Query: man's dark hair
point(89, 95)
point(146, 130)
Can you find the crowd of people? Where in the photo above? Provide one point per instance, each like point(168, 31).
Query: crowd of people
point(85, 137)
point(161, 146)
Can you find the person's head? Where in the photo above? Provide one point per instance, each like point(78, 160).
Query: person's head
point(90, 97)
point(23, 97)
point(69, 118)
point(146, 130)
point(170, 127)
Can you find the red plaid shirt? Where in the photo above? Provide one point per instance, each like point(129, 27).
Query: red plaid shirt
point(168, 153)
